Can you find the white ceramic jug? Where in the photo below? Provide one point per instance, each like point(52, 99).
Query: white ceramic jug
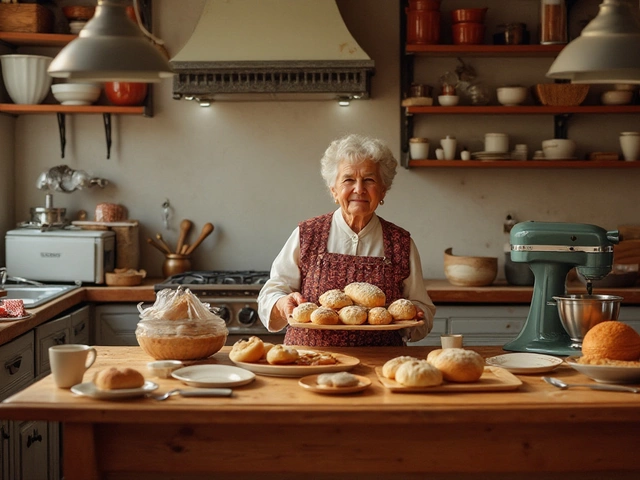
point(449, 145)
point(630, 144)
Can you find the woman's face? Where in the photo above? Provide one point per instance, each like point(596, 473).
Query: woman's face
point(358, 190)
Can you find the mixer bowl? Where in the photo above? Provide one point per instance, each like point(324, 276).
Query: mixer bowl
point(579, 313)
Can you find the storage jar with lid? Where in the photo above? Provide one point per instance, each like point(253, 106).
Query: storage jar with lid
point(553, 22)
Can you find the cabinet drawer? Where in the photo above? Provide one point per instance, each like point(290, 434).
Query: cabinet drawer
point(79, 326)
point(115, 324)
point(54, 332)
point(16, 365)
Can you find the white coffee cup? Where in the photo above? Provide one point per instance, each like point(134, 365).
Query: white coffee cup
point(451, 341)
point(69, 362)
point(630, 145)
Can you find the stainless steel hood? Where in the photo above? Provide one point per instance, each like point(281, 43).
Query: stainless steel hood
point(271, 50)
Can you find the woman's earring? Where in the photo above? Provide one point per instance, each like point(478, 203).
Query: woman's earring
point(381, 202)
point(335, 200)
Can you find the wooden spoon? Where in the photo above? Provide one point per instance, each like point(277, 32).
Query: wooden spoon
point(164, 244)
point(185, 227)
point(155, 244)
point(206, 230)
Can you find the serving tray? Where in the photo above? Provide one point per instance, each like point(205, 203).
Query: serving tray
point(366, 326)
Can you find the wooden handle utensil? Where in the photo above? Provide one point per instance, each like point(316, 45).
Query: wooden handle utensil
point(155, 244)
point(185, 227)
point(164, 244)
point(206, 230)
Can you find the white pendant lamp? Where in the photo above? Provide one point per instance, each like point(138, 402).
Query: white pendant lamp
point(607, 50)
point(111, 48)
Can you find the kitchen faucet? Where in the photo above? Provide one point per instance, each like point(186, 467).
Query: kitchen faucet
point(4, 277)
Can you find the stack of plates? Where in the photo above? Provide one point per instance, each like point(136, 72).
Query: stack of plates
point(491, 156)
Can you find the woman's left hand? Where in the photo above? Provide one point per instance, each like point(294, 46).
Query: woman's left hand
point(285, 305)
point(419, 313)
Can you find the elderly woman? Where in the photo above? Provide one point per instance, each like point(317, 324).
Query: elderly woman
point(349, 245)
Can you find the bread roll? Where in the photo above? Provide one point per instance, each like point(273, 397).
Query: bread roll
point(353, 315)
point(325, 316)
point(250, 350)
point(379, 316)
point(118, 378)
point(339, 379)
point(282, 355)
point(433, 354)
point(390, 367)
point(418, 373)
point(302, 313)
point(365, 294)
point(613, 340)
point(459, 365)
point(335, 299)
point(403, 309)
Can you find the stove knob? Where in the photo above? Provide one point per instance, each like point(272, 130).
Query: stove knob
point(247, 316)
point(224, 313)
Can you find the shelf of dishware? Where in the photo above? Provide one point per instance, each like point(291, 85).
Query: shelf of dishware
point(521, 164)
point(524, 109)
point(440, 50)
point(18, 39)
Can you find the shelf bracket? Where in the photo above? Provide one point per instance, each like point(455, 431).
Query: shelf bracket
point(62, 129)
point(106, 118)
point(561, 125)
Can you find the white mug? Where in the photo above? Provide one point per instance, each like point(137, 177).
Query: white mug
point(451, 341)
point(69, 362)
point(630, 145)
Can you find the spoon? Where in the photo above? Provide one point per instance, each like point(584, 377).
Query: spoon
point(206, 230)
point(185, 226)
point(556, 382)
point(202, 392)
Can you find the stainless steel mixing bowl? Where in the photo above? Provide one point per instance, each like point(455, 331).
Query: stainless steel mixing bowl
point(579, 313)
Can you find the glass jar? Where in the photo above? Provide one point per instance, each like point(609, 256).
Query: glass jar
point(553, 22)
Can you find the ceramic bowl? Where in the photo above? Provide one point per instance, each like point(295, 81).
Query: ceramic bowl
point(617, 97)
point(76, 93)
point(511, 96)
point(448, 100)
point(558, 148)
point(26, 78)
point(468, 33)
point(475, 15)
point(164, 368)
point(465, 271)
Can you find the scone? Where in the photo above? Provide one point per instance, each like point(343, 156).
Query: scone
point(118, 378)
point(249, 351)
point(365, 294)
point(325, 316)
point(402, 309)
point(339, 379)
point(379, 316)
point(335, 299)
point(459, 365)
point(390, 367)
point(418, 373)
point(613, 340)
point(282, 355)
point(353, 315)
point(302, 313)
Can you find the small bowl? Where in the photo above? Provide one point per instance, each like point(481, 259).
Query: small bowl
point(511, 96)
point(468, 33)
point(163, 368)
point(76, 93)
point(558, 148)
point(617, 97)
point(469, 271)
point(26, 78)
point(580, 313)
point(475, 15)
point(76, 25)
point(448, 100)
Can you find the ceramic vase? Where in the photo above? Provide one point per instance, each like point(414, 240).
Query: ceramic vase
point(630, 145)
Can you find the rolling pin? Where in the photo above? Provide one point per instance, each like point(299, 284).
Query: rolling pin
point(206, 230)
point(185, 227)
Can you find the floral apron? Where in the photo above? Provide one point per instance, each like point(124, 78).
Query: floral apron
point(322, 271)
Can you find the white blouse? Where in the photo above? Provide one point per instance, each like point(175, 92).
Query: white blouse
point(285, 273)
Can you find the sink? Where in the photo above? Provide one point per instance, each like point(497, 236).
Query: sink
point(34, 296)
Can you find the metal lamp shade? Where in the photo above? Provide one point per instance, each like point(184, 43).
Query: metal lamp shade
point(607, 51)
point(111, 48)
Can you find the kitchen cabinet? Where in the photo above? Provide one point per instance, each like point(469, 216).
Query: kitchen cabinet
point(411, 54)
point(115, 324)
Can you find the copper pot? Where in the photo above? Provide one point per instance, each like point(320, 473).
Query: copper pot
point(175, 264)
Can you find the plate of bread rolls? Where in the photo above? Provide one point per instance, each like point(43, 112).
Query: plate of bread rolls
point(114, 384)
point(358, 306)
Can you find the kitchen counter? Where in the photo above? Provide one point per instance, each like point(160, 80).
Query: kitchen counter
point(274, 427)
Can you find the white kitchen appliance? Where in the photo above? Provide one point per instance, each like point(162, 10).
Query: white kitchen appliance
point(63, 255)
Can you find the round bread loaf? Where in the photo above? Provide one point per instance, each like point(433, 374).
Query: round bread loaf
point(459, 365)
point(339, 379)
point(249, 350)
point(379, 316)
point(613, 340)
point(418, 373)
point(302, 313)
point(353, 315)
point(335, 299)
point(325, 316)
point(365, 294)
point(282, 355)
point(391, 366)
point(431, 356)
point(118, 378)
point(403, 309)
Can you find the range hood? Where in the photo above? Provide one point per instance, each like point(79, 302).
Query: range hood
point(271, 50)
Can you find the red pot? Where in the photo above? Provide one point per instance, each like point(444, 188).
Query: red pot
point(125, 93)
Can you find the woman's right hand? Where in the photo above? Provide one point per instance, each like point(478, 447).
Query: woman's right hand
point(285, 305)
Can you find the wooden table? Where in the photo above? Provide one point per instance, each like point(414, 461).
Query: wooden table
point(272, 428)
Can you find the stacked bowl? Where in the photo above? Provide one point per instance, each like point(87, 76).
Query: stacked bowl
point(26, 78)
point(468, 26)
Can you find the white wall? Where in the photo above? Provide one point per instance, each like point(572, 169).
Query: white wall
point(252, 169)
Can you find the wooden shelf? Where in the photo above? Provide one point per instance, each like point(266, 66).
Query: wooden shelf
point(523, 110)
point(485, 50)
point(14, 109)
point(16, 39)
point(524, 164)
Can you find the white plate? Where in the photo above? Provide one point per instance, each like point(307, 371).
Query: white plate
point(345, 362)
point(15, 319)
point(213, 376)
point(525, 362)
point(311, 383)
point(89, 389)
point(606, 373)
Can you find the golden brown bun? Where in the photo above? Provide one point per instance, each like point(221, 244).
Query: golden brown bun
point(365, 294)
point(379, 316)
point(302, 313)
point(118, 378)
point(178, 310)
point(418, 373)
point(353, 315)
point(325, 316)
point(403, 309)
point(339, 379)
point(391, 366)
point(282, 355)
point(250, 350)
point(459, 365)
point(335, 299)
point(433, 354)
point(613, 340)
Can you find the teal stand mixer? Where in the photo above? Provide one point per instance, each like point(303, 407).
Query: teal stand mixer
point(552, 250)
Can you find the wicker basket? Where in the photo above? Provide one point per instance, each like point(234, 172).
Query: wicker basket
point(560, 94)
